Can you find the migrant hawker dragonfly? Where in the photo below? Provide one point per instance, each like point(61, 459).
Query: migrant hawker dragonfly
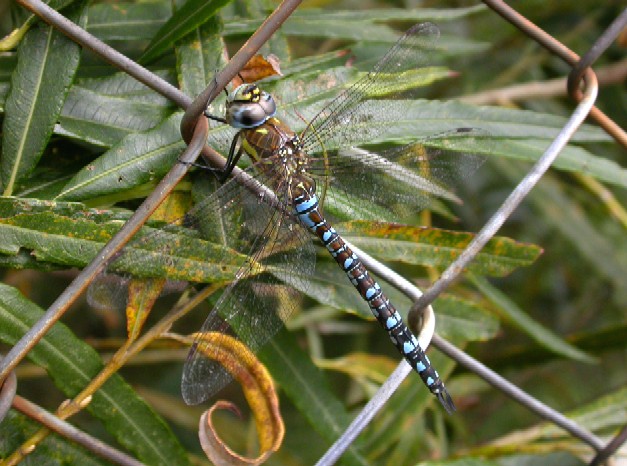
point(275, 205)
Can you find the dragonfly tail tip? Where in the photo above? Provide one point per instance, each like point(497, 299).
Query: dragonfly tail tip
point(446, 401)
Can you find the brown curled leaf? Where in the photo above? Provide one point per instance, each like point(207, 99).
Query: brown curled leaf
point(260, 394)
point(258, 68)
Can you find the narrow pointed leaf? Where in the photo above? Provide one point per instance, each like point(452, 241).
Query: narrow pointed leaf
point(199, 55)
point(191, 15)
point(104, 110)
point(437, 248)
point(47, 62)
point(127, 21)
point(135, 160)
point(16, 429)
point(308, 389)
point(539, 333)
point(54, 237)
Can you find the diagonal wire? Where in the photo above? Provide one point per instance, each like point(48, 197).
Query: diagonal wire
point(81, 282)
point(610, 448)
point(517, 394)
point(487, 232)
point(67, 430)
point(552, 151)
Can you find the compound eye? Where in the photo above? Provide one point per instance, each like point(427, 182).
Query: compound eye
point(245, 115)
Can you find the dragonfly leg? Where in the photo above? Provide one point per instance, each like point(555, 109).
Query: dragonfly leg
point(214, 118)
point(222, 173)
point(231, 160)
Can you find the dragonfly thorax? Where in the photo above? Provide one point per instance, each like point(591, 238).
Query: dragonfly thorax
point(248, 106)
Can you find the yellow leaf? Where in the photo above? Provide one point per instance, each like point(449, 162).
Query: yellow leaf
point(260, 394)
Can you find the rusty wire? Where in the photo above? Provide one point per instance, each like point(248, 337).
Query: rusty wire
point(195, 135)
point(490, 229)
point(70, 432)
point(570, 57)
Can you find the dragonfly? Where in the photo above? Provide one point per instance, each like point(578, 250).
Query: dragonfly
point(270, 210)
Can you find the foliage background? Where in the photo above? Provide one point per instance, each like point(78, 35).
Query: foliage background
point(575, 290)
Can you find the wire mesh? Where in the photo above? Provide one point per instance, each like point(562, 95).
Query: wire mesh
point(586, 98)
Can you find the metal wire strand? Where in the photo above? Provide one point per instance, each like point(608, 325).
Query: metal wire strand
point(196, 145)
point(597, 49)
point(570, 57)
point(67, 430)
point(7, 394)
point(512, 202)
point(575, 76)
point(81, 282)
point(487, 232)
point(610, 448)
point(517, 394)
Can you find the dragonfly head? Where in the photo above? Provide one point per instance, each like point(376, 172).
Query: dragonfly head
point(248, 106)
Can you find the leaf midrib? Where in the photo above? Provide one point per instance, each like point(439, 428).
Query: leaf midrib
point(20, 152)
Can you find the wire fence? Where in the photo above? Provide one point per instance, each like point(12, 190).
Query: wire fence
point(582, 86)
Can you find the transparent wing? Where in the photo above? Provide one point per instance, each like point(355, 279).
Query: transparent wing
point(350, 116)
point(235, 234)
point(396, 181)
point(401, 180)
point(255, 305)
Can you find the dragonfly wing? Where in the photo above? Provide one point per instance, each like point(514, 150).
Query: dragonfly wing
point(253, 308)
point(350, 116)
point(405, 179)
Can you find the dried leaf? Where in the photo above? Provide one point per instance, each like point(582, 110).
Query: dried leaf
point(258, 68)
point(142, 294)
point(259, 391)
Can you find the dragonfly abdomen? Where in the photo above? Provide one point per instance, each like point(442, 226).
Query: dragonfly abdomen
point(306, 206)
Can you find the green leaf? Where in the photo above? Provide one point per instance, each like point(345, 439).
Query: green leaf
point(572, 158)
point(517, 317)
point(602, 415)
point(102, 111)
point(606, 412)
point(135, 160)
point(437, 248)
point(199, 55)
point(72, 364)
point(381, 15)
point(47, 62)
point(356, 24)
point(190, 16)
point(462, 320)
point(57, 237)
point(127, 21)
point(458, 319)
point(551, 201)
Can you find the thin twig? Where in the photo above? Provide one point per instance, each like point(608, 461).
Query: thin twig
point(615, 73)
